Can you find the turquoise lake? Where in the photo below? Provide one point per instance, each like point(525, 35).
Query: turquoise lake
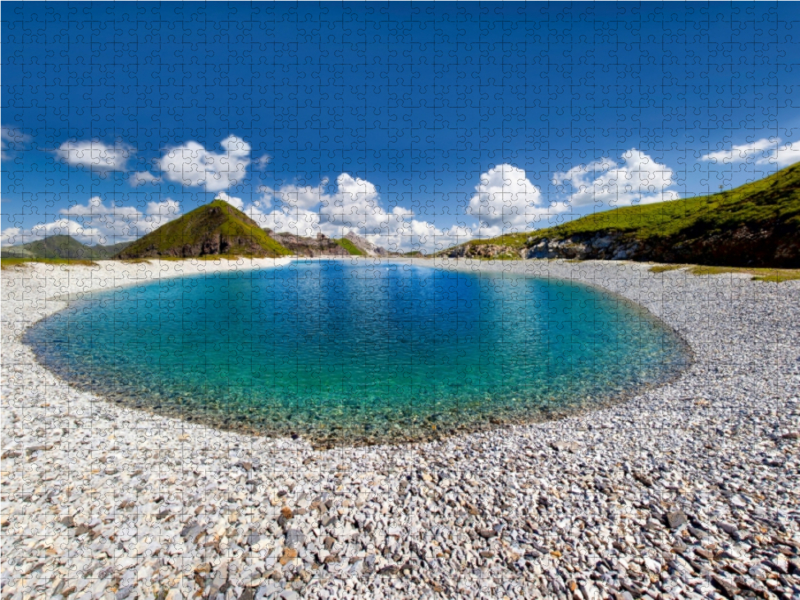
point(358, 352)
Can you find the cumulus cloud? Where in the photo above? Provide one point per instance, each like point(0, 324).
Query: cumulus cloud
point(14, 236)
point(233, 201)
point(143, 178)
point(741, 153)
point(262, 161)
point(162, 212)
point(783, 156)
point(761, 152)
point(121, 223)
point(505, 201)
point(638, 179)
point(287, 219)
point(423, 235)
point(349, 204)
point(98, 223)
point(355, 206)
point(193, 166)
point(95, 155)
point(298, 196)
point(11, 140)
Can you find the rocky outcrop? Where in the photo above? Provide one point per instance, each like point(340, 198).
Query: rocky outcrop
point(609, 246)
point(482, 251)
point(744, 246)
point(365, 246)
point(321, 245)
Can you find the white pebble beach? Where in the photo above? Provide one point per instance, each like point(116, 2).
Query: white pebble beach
point(687, 490)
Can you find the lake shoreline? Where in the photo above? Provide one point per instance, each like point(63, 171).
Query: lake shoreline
point(288, 421)
point(632, 498)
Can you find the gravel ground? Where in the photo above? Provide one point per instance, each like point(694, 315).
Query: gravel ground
point(689, 490)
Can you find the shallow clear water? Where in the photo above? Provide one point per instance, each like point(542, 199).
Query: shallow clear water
point(358, 353)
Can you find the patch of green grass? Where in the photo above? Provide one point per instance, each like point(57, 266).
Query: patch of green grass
point(515, 240)
point(664, 268)
point(773, 275)
point(774, 200)
point(759, 274)
point(351, 248)
point(504, 256)
point(9, 262)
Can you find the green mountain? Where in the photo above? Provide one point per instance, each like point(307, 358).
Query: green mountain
point(214, 229)
point(755, 225)
point(350, 247)
point(107, 252)
point(62, 246)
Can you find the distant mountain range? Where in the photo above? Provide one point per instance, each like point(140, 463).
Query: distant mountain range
point(350, 245)
point(755, 225)
point(63, 246)
point(214, 229)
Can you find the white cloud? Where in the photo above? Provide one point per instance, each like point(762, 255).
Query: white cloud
point(742, 152)
point(761, 152)
point(783, 156)
point(142, 178)
point(577, 175)
point(424, 235)
point(262, 161)
point(95, 155)
point(637, 180)
point(192, 165)
point(11, 140)
point(14, 236)
point(114, 224)
point(287, 219)
point(505, 201)
point(353, 204)
point(166, 211)
point(233, 201)
point(297, 196)
point(97, 223)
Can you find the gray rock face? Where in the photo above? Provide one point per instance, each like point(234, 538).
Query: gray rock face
point(740, 247)
point(309, 246)
point(365, 246)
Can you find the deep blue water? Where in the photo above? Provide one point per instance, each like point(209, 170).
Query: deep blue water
point(346, 352)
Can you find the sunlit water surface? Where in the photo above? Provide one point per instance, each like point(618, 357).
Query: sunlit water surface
point(358, 353)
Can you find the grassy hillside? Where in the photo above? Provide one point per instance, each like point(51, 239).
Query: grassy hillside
point(106, 252)
point(737, 225)
point(214, 229)
point(62, 247)
point(350, 247)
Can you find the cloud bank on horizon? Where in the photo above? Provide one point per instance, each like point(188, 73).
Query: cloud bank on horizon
point(504, 199)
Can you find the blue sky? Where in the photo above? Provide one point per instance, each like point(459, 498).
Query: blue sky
point(416, 125)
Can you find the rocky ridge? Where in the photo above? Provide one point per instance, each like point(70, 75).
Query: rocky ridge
point(365, 245)
point(320, 245)
point(740, 247)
